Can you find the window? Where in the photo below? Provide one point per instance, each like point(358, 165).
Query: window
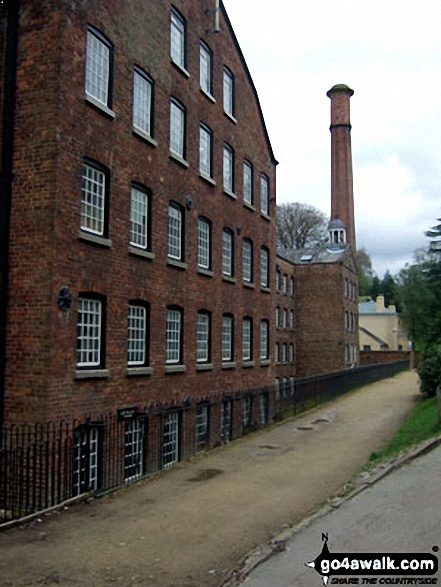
point(285, 283)
point(99, 58)
point(291, 318)
point(247, 260)
point(205, 68)
point(277, 352)
point(264, 408)
point(94, 195)
point(247, 339)
point(205, 150)
point(284, 353)
point(228, 85)
point(137, 335)
point(291, 286)
point(177, 38)
point(90, 332)
point(174, 336)
point(227, 252)
point(175, 231)
point(228, 168)
point(264, 339)
point(177, 128)
point(291, 353)
point(246, 411)
point(285, 318)
point(226, 421)
point(170, 439)
point(248, 182)
point(139, 218)
point(264, 195)
point(277, 317)
point(264, 267)
point(227, 337)
point(86, 459)
point(133, 449)
point(202, 429)
point(203, 337)
point(204, 243)
point(278, 278)
point(143, 102)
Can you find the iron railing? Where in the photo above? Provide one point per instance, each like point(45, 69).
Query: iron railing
point(43, 465)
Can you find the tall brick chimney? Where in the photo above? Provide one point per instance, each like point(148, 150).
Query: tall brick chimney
point(342, 224)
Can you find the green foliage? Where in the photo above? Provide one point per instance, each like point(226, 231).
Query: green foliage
point(429, 369)
point(421, 425)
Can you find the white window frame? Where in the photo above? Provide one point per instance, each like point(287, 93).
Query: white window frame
point(228, 91)
point(203, 337)
point(248, 182)
point(175, 232)
point(178, 33)
point(264, 267)
point(98, 67)
point(277, 316)
point(285, 318)
point(173, 351)
point(206, 68)
point(247, 339)
point(264, 340)
point(278, 279)
point(177, 128)
point(264, 194)
point(204, 243)
point(277, 352)
point(202, 429)
point(247, 260)
point(205, 150)
point(86, 458)
point(246, 411)
point(170, 439)
point(89, 332)
point(136, 335)
point(139, 218)
point(93, 199)
point(133, 449)
point(227, 338)
point(227, 253)
point(228, 168)
point(142, 102)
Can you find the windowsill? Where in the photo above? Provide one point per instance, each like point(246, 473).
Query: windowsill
point(95, 239)
point(265, 289)
point(141, 253)
point(143, 135)
point(229, 365)
point(208, 95)
point(249, 285)
point(228, 279)
point(175, 369)
point(265, 362)
point(249, 206)
point(180, 68)
point(248, 364)
point(207, 178)
point(92, 373)
point(177, 264)
point(204, 366)
point(230, 193)
point(136, 371)
point(100, 106)
point(265, 216)
point(205, 272)
point(179, 159)
point(231, 117)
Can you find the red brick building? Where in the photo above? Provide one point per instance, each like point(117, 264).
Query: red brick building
point(325, 337)
point(137, 211)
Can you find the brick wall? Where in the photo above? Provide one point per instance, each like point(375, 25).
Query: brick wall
point(285, 296)
point(56, 128)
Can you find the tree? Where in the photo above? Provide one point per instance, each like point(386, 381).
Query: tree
point(391, 291)
point(299, 226)
point(435, 234)
point(365, 272)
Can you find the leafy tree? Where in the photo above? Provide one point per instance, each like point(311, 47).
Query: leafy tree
point(365, 272)
point(435, 234)
point(299, 226)
point(391, 291)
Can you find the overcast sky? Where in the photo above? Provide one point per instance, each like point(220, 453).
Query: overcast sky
point(389, 53)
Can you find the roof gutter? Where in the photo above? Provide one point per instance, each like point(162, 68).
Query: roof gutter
point(6, 179)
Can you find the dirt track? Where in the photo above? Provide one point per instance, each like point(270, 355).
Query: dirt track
point(189, 526)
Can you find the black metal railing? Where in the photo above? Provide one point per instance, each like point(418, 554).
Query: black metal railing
point(43, 465)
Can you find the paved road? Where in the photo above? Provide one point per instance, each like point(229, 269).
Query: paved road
point(401, 513)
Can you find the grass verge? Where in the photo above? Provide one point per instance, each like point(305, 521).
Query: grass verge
point(421, 425)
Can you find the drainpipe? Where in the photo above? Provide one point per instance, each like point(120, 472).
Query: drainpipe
point(6, 179)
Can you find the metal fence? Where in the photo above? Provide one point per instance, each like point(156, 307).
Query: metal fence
point(43, 465)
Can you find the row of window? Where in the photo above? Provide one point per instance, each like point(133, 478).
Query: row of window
point(282, 282)
point(281, 353)
point(350, 289)
point(94, 220)
point(282, 318)
point(98, 88)
point(91, 335)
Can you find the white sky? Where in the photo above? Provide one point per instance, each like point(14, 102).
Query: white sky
point(389, 53)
